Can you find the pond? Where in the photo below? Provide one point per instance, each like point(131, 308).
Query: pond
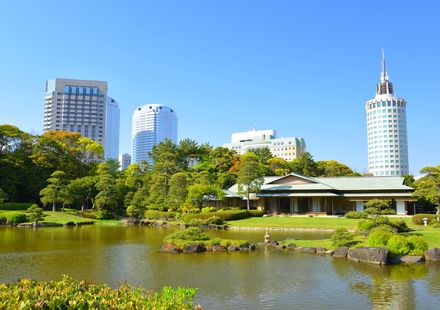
point(264, 279)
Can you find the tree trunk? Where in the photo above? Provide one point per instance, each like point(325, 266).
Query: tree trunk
point(248, 202)
point(53, 206)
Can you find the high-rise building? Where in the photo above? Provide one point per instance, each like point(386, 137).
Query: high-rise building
point(151, 124)
point(76, 106)
point(112, 116)
point(286, 148)
point(387, 134)
point(124, 161)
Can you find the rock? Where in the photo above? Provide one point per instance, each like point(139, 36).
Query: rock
point(208, 248)
point(340, 252)
point(252, 247)
point(233, 248)
point(329, 252)
point(432, 254)
point(194, 248)
point(377, 256)
point(412, 259)
point(69, 224)
point(291, 246)
point(273, 243)
point(218, 248)
point(283, 246)
point(170, 248)
point(308, 250)
point(321, 251)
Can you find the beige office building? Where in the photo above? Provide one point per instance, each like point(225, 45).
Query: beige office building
point(76, 106)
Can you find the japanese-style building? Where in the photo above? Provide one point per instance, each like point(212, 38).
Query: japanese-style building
point(299, 194)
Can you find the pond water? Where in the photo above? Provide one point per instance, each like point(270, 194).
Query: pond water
point(264, 279)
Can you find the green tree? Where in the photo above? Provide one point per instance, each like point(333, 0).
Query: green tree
point(199, 194)
point(305, 165)
point(82, 191)
point(264, 154)
point(250, 177)
point(135, 211)
point(377, 206)
point(278, 166)
point(427, 188)
point(178, 189)
point(332, 168)
point(3, 196)
point(106, 199)
point(53, 192)
point(35, 213)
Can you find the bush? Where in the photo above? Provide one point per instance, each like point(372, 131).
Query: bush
point(215, 221)
point(255, 213)
point(159, 215)
point(208, 209)
point(400, 225)
point(342, 237)
point(417, 218)
point(189, 234)
point(417, 244)
point(379, 237)
point(87, 214)
point(196, 222)
point(35, 213)
point(388, 212)
point(398, 245)
point(366, 225)
point(71, 294)
point(224, 215)
point(15, 206)
point(13, 217)
point(356, 215)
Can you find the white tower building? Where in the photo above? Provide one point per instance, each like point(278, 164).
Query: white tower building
point(152, 123)
point(112, 116)
point(387, 133)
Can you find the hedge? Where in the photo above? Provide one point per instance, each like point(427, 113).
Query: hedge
point(160, 215)
point(15, 206)
point(12, 217)
point(418, 218)
point(71, 294)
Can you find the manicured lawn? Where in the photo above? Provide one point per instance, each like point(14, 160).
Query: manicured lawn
point(63, 217)
point(323, 222)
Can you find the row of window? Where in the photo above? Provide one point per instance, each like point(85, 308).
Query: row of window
point(387, 104)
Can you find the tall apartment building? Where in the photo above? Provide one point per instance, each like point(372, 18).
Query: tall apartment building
point(124, 161)
point(387, 133)
point(286, 148)
point(76, 106)
point(112, 117)
point(151, 124)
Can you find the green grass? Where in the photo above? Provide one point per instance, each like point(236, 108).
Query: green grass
point(60, 217)
point(299, 222)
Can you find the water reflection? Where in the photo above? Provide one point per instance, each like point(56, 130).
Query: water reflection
point(259, 280)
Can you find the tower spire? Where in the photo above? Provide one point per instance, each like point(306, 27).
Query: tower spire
point(384, 73)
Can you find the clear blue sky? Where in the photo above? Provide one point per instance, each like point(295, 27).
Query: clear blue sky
point(304, 68)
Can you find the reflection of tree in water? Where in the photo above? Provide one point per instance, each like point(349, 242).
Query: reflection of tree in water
point(387, 287)
point(433, 280)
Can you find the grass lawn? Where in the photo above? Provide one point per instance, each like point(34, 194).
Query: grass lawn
point(317, 222)
point(63, 217)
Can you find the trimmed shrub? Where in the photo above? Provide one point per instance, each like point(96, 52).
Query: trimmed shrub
point(224, 215)
point(379, 237)
point(255, 213)
point(356, 215)
point(418, 218)
point(388, 212)
point(366, 225)
point(342, 237)
point(71, 294)
point(417, 244)
point(400, 225)
point(13, 217)
point(208, 209)
point(15, 206)
point(398, 245)
point(35, 213)
point(215, 221)
point(189, 234)
point(159, 215)
point(196, 222)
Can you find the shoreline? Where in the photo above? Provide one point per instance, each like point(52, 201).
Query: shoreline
point(246, 228)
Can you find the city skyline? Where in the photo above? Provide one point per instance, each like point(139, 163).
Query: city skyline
point(305, 68)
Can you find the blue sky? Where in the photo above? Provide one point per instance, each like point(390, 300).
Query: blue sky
point(304, 68)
